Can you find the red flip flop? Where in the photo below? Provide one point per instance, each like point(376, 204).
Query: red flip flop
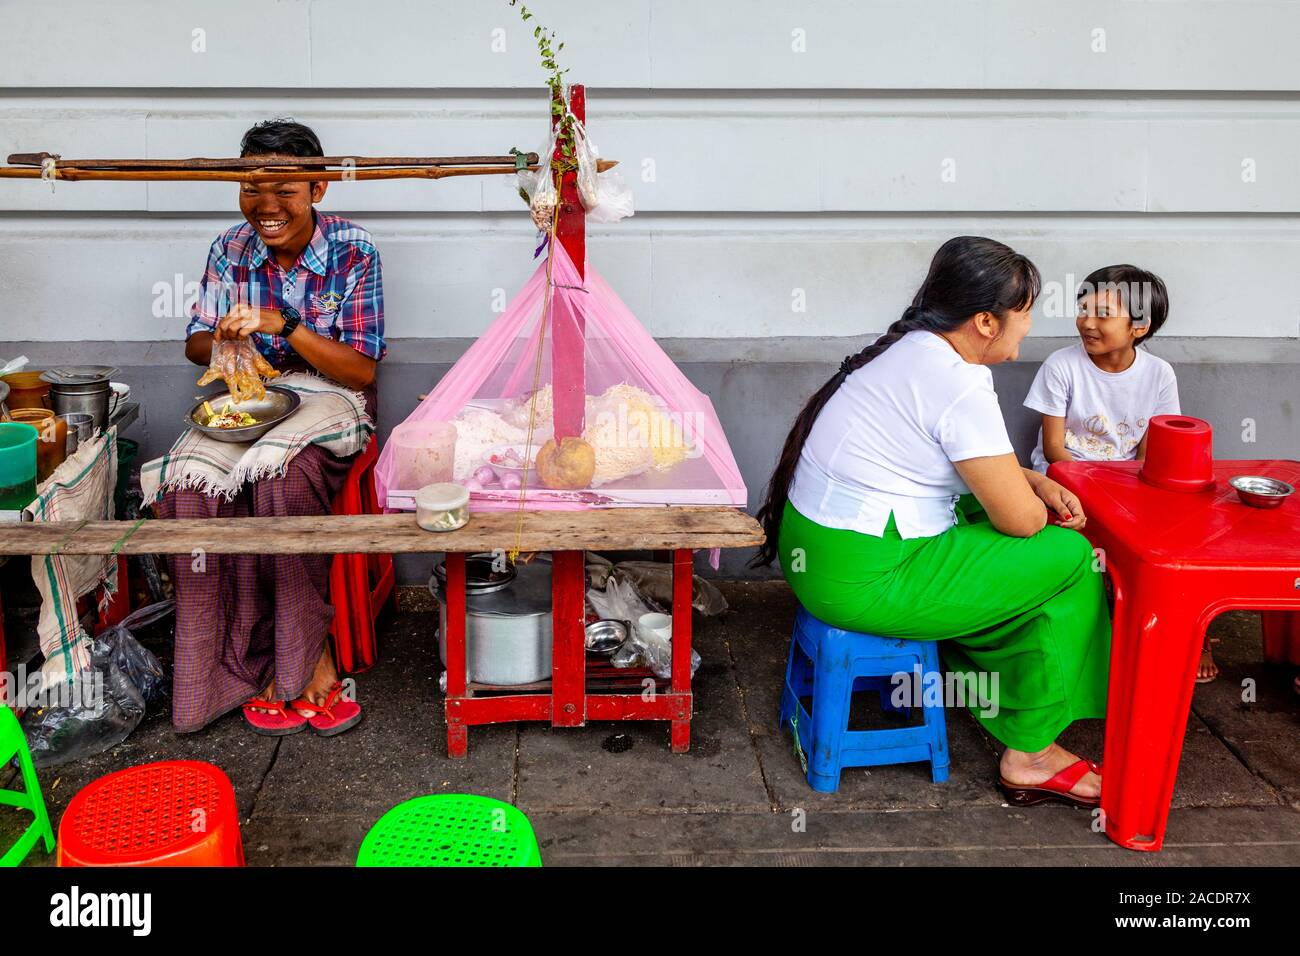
point(334, 716)
point(278, 721)
point(1058, 788)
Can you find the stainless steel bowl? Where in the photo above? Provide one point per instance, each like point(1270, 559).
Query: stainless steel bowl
point(1260, 492)
point(278, 405)
point(605, 637)
point(482, 576)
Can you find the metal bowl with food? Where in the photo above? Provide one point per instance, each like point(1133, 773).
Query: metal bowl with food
point(1260, 492)
point(266, 413)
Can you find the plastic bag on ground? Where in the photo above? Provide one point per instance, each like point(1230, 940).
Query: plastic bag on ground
point(621, 601)
point(107, 701)
point(654, 579)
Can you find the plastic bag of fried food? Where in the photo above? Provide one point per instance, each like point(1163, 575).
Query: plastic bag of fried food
point(238, 362)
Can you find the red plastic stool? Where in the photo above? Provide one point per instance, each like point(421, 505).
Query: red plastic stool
point(360, 584)
point(174, 813)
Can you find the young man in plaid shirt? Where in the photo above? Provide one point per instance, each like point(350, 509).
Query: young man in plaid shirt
point(306, 288)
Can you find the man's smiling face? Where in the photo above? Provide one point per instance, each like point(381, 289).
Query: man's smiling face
point(281, 212)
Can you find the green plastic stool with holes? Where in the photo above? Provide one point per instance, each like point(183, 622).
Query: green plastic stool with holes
point(451, 829)
point(13, 742)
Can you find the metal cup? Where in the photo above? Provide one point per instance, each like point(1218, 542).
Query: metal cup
point(81, 428)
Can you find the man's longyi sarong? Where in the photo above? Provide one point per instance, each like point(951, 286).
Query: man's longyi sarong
point(243, 619)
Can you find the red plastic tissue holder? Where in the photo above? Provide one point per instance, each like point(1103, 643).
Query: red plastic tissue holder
point(1180, 454)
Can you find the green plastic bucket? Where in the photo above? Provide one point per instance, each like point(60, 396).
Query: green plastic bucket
point(17, 465)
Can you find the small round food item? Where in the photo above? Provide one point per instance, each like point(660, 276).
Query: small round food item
point(570, 464)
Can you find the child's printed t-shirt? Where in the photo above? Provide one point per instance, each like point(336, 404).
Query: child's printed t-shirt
point(1106, 413)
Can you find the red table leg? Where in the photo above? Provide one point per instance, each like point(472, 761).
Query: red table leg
point(569, 644)
point(457, 732)
point(1155, 647)
point(119, 605)
point(683, 588)
point(1281, 636)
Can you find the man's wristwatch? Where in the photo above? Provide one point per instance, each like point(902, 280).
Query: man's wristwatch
point(291, 318)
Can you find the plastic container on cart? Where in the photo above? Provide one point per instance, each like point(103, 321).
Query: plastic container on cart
point(17, 465)
point(423, 453)
point(27, 390)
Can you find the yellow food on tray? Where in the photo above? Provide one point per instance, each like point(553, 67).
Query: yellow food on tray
point(227, 417)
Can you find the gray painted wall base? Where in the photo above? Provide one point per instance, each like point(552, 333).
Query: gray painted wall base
point(1246, 388)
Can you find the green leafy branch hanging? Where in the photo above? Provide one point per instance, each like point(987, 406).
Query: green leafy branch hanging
point(555, 80)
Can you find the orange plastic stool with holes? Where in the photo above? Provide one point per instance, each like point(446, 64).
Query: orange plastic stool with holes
point(360, 584)
point(174, 813)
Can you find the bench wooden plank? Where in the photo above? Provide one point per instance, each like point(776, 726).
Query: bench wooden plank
point(598, 529)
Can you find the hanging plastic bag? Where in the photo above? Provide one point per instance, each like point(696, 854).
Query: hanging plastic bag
point(605, 196)
point(107, 701)
point(586, 154)
point(615, 201)
point(537, 187)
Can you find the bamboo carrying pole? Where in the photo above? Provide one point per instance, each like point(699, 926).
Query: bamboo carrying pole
point(75, 174)
point(258, 162)
point(258, 170)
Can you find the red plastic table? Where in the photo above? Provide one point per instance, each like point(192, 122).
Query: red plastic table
point(1176, 560)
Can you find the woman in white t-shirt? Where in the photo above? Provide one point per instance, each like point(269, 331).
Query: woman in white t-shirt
point(898, 508)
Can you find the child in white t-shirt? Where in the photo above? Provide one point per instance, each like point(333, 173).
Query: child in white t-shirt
point(1097, 397)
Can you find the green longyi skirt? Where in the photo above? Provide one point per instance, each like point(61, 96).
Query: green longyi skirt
point(1030, 610)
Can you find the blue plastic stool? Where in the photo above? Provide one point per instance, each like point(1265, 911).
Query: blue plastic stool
point(829, 664)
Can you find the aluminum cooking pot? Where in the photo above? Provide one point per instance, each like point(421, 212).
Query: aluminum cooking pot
point(507, 623)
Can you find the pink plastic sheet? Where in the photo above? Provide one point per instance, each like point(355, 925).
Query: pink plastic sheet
point(655, 437)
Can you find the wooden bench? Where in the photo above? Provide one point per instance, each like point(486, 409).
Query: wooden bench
point(566, 702)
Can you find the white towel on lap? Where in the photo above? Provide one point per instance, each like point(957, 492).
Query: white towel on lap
point(330, 415)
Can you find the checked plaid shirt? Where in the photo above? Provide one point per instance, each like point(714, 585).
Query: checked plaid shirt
point(336, 285)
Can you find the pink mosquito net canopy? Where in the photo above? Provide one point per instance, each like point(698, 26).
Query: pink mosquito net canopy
point(565, 402)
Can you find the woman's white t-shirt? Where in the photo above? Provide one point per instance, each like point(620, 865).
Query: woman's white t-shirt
point(887, 439)
point(1106, 413)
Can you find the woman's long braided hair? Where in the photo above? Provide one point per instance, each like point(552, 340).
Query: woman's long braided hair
point(968, 275)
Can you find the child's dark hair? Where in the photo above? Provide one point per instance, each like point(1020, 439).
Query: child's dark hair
point(1142, 293)
point(968, 275)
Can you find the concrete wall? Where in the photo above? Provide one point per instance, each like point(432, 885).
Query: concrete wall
point(795, 164)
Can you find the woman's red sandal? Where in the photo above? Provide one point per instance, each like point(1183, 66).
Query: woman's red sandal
point(336, 715)
point(274, 719)
point(1058, 788)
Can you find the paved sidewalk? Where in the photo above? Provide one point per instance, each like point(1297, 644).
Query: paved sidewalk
point(614, 794)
